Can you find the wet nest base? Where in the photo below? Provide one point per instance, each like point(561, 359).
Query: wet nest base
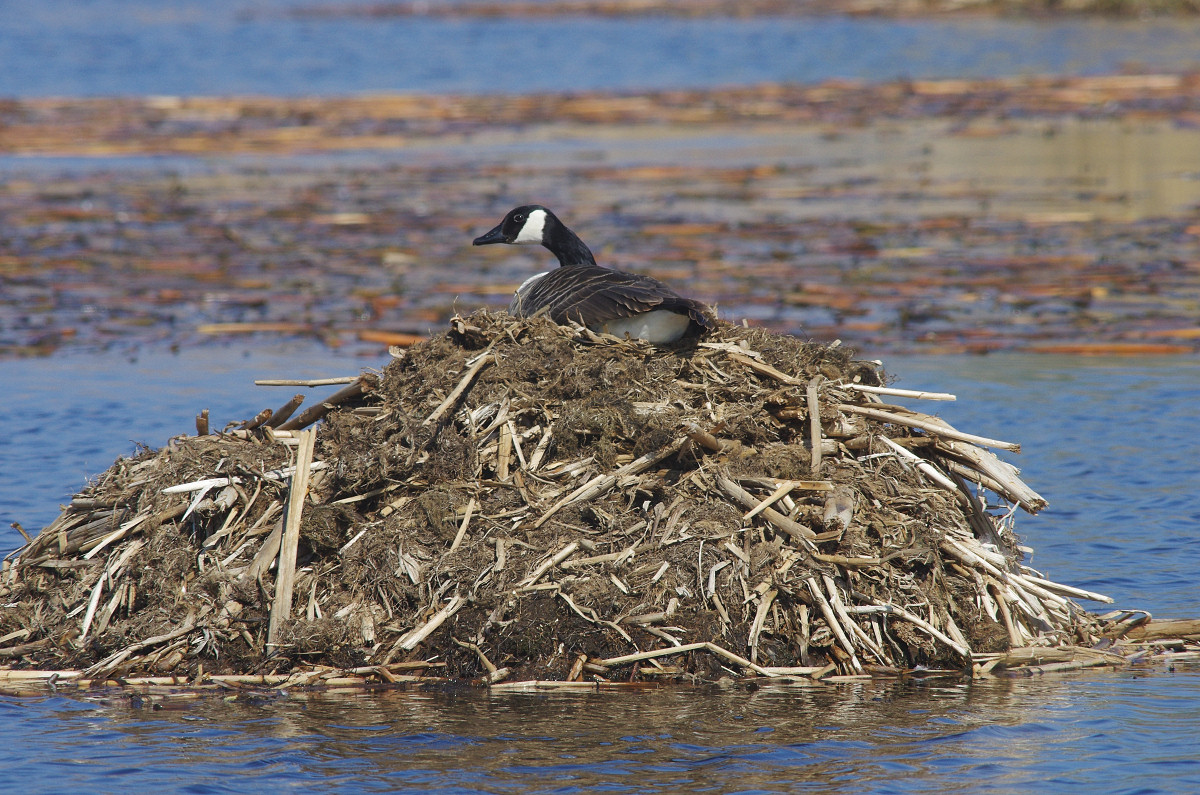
point(515, 500)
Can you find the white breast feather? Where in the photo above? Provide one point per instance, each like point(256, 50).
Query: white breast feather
point(514, 308)
point(660, 325)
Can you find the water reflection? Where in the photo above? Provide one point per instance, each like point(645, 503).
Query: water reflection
point(904, 736)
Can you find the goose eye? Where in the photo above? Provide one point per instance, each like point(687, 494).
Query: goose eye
point(519, 218)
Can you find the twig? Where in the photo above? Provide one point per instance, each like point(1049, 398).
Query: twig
point(814, 424)
point(284, 412)
point(602, 483)
point(835, 601)
point(481, 361)
point(608, 557)
point(1000, 471)
point(414, 638)
point(775, 496)
point(281, 607)
point(113, 660)
point(562, 555)
point(712, 647)
point(211, 483)
point(360, 386)
point(708, 441)
point(908, 393)
point(917, 621)
point(835, 626)
point(462, 528)
point(261, 418)
point(765, 369)
point(491, 668)
point(921, 464)
point(797, 531)
point(310, 382)
point(927, 424)
point(760, 617)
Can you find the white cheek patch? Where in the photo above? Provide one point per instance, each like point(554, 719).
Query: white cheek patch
point(531, 231)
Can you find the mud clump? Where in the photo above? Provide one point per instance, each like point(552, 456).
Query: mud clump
point(512, 499)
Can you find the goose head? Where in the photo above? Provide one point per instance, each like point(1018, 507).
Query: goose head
point(535, 224)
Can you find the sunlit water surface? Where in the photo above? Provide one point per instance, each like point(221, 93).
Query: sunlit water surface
point(1111, 444)
point(1108, 442)
point(119, 47)
point(1100, 732)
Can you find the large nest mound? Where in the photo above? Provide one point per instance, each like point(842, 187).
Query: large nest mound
point(515, 498)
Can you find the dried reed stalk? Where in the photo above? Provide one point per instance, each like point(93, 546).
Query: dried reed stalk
point(281, 608)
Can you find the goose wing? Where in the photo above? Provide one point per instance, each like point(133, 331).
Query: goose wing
point(592, 295)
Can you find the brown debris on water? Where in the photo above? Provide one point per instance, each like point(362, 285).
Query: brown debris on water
point(513, 499)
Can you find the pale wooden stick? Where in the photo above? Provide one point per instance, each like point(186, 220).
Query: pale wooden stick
point(1001, 472)
point(921, 623)
point(488, 664)
point(796, 670)
point(285, 412)
point(361, 385)
point(908, 393)
point(602, 483)
point(956, 467)
point(516, 444)
point(658, 575)
point(480, 362)
point(413, 638)
point(113, 660)
point(835, 601)
point(115, 535)
point(760, 618)
point(926, 424)
point(797, 531)
point(954, 632)
point(504, 452)
point(536, 459)
point(110, 574)
point(929, 469)
point(562, 555)
point(607, 557)
point(835, 626)
point(1015, 635)
point(765, 369)
point(712, 647)
point(462, 528)
point(92, 604)
point(1164, 628)
point(978, 559)
point(285, 573)
point(649, 655)
point(266, 553)
point(211, 483)
point(345, 379)
point(708, 441)
point(814, 425)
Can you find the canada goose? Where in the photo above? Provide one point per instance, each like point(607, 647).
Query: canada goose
point(602, 299)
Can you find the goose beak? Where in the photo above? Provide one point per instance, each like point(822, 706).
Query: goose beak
point(494, 236)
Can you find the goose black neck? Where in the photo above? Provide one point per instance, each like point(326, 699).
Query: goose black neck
point(567, 246)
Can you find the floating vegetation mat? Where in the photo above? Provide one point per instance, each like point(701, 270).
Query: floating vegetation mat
point(514, 500)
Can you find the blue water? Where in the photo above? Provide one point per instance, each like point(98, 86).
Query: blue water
point(1108, 442)
point(122, 47)
point(1094, 733)
point(1111, 444)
